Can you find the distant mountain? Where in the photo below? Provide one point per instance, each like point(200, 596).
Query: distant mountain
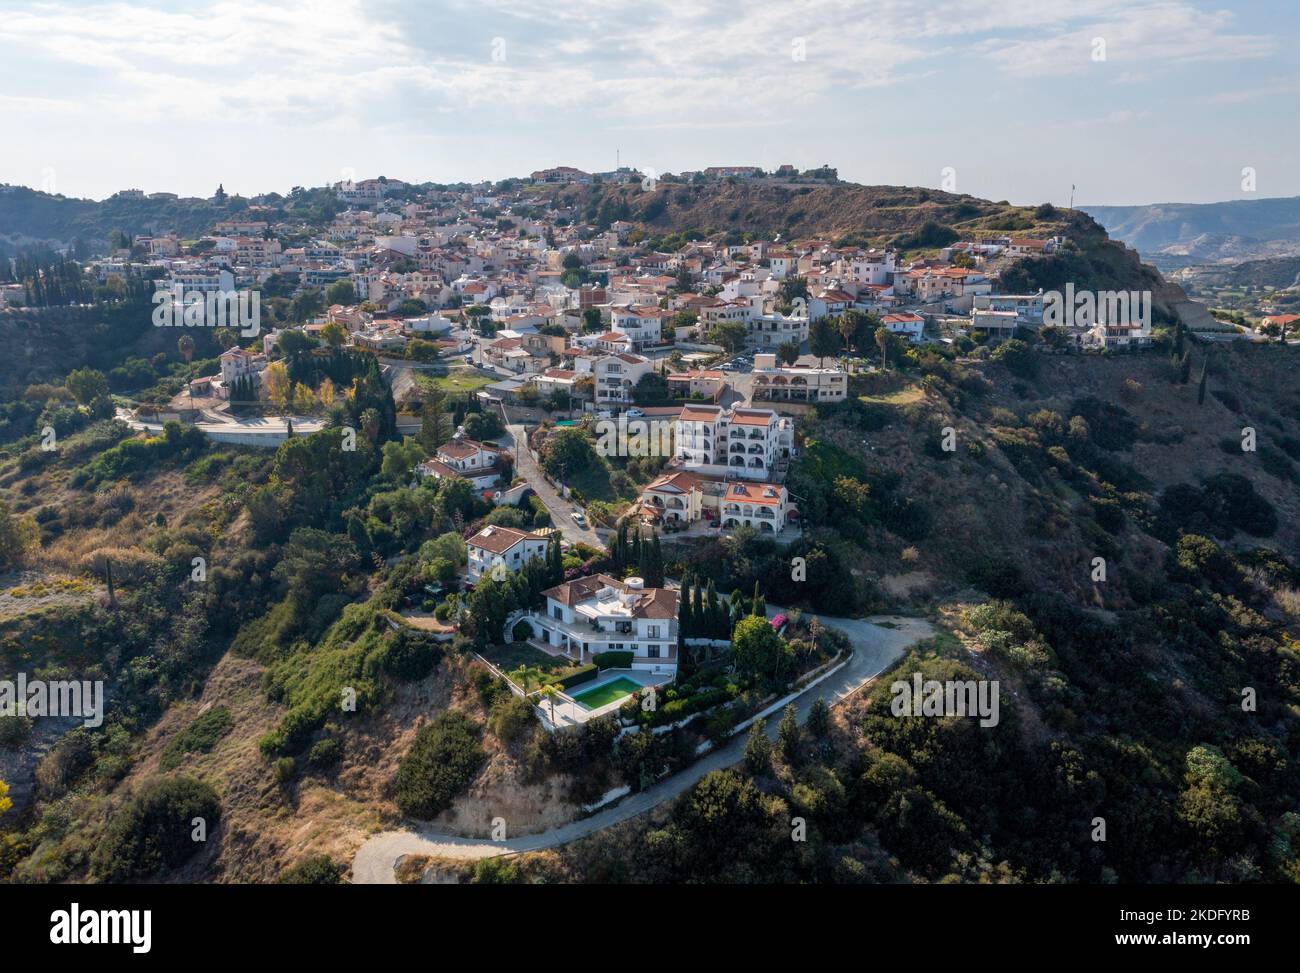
point(1177, 234)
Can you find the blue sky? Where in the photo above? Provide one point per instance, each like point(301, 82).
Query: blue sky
point(266, 94)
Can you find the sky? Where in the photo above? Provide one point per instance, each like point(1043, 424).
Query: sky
point(1131, 101)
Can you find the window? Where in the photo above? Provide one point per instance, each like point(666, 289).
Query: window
point(652, 651)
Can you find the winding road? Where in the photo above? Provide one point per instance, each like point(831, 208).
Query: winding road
point(875, 649)
point(561, 510)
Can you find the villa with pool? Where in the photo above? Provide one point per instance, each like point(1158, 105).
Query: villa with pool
point(602, 614)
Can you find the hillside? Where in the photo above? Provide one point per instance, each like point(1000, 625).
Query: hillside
point(1176, 234)
point(915, 221)
point(31, 218)
point(834, 211)
point(1060, 460)
point(1121, 693)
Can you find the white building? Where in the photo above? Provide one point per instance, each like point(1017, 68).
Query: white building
point(1117, 337)
point(772, 330)
point(464, 459)
point(614, 375)
point(236, 364)
point(684, 497)
point(754, 444)
point(796, 383)
point(1028, 308)
point(506, 546)
point(872, 267)
point(643, 325)
point(602, 614)
point(905, 324)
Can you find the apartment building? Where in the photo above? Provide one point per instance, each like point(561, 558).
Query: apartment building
point(796, 383)
point(1028, 308)
point(684, 497)
point(642, 325)
point(755, 444)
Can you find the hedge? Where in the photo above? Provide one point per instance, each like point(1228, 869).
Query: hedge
point(585, 674)
point(679, 709)
point(613, 660)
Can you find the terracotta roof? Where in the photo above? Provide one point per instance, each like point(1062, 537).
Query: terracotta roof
point(752, 417)
point(681, 482)
point(651, 603)
point(755, 493)
point(463, 448)
point(498, 539)
point(700, 413)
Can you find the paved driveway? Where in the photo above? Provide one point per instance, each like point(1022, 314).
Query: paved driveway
point(875, 648)
point(560, 508)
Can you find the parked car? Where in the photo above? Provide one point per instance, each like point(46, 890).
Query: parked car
point(634, 414)
point(579, 518)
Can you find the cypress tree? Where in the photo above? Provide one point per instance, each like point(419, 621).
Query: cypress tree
point(713, 610)
point(683, 613)
point(756, 603)
point(699, 621)
point(658, 561)
point(554, 562)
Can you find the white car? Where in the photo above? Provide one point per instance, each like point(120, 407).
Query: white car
point(634, 414)
point(579, 518)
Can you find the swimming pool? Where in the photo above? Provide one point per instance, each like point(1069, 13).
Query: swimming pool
point(605, 694)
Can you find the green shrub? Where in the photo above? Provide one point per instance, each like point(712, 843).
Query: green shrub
point(585, 674)
point(325, 753)
point(14, 731)
point(199, 737)
point(679, 709)
point(511, 717)
point(522, 631)
point(444, 758)
point(284, 770)
point(316, 870)
point(154, 830)
point(411, 655)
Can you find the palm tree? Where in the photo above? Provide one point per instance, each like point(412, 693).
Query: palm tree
point(848, 328)
point(526, 674)
point(549, 693)
point(882, 342)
